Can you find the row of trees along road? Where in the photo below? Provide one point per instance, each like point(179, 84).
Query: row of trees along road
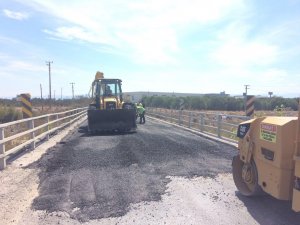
point(209, 102)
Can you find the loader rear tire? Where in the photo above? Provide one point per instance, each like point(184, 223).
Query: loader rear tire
point(250, 186)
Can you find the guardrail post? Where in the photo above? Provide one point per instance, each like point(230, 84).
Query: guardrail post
point(48, 128)
point(179, 116)
point(56, 118)
point(32, 134)
point(2, 150)
point(190, 119)
point(167, 115)
point(219, 125)
point(201, 122)
point(77, 117)
point(173, 116)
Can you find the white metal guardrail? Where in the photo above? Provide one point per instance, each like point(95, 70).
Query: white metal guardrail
point(17, 134)
point(219, 125)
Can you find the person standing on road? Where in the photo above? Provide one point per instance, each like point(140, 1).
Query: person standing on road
point(141, 112)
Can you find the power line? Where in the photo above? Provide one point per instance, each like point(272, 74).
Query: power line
point(48, 63)
point(72, 89)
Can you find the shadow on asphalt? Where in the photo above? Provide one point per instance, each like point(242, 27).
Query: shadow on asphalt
point(84, 131)
point(276, 212)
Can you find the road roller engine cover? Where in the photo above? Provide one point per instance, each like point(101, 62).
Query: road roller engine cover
point(268, 158)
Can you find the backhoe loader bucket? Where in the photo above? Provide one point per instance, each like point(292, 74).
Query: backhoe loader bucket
point(111, 120)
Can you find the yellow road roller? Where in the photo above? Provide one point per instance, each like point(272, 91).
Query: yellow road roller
point(268, 158)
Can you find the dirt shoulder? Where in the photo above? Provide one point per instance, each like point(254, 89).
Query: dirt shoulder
point(19, 184)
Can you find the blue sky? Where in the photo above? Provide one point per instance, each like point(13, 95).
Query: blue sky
point(193, 46)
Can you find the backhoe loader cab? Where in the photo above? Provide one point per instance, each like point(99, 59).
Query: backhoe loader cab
point(107, 93)
point(108, 111)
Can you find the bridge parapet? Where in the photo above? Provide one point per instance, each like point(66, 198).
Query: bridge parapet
point(16, 135)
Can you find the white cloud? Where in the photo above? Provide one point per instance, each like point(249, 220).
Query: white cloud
point(21, 57)
point(15, 15)
point(74, 33)
point(17, 65)
point(147, 30)
point(240, 53)
point(20, 66)
point(255, 58)
point(232, 80)
point(274, 75)
point(8, 40)
point(238, 48)
point(152, 46)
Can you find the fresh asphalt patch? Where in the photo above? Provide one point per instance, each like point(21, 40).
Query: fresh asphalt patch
point(99, 176)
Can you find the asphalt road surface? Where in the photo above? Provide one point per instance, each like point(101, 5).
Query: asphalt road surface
point(103, 174)
point(159, 175)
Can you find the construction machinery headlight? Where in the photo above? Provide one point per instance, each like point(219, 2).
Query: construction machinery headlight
point(110, 105)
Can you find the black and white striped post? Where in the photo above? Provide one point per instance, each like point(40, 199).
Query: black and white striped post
point(26, 105)
point(250, 105)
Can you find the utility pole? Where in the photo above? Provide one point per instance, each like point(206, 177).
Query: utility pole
point(48, 63)
point(246, 89)
point(60, 93)
point(54, 95)
point(41, 88)
point(72, 89)
point(41, 91)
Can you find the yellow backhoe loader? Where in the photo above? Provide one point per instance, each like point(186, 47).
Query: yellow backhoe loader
point(108, 111)
point(268, 158)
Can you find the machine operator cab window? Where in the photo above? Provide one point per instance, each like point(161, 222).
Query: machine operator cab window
point(111, 90)
point(107, 88)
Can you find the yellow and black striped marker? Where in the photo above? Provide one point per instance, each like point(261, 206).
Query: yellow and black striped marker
point(250, 105)
point(26, 105)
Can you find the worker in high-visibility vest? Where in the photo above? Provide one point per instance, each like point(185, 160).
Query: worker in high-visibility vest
point(141, 112)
